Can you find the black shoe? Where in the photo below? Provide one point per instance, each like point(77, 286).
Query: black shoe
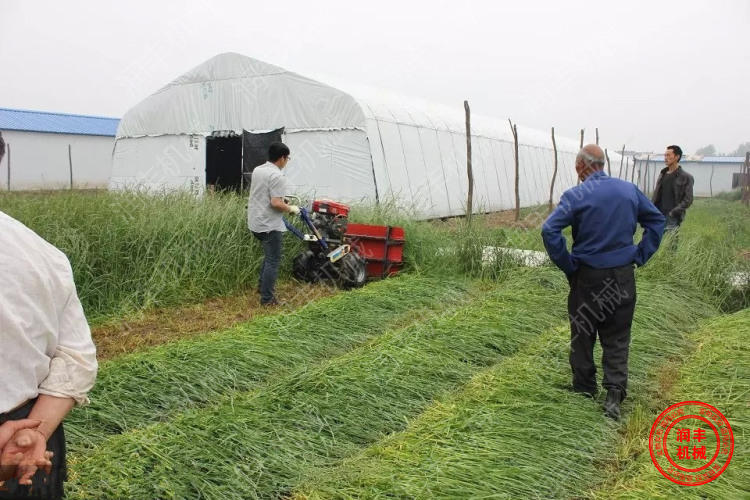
point(612, 404)
point(583, 392)
point(273, 302)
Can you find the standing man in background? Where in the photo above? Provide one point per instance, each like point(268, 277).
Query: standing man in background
point(673, 193)
point(47, 361)
point(265, 210)
point(603, 212)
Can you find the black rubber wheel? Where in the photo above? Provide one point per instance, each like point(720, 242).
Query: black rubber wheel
point(352, 271)
point(303, 267)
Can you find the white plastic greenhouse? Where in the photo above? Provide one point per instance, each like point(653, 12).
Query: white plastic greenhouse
point(209, 125)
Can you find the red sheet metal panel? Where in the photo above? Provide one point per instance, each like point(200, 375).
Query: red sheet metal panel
point(382, 247)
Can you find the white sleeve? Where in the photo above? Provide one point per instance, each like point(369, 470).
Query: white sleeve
point(278, 186)
point(73, 366)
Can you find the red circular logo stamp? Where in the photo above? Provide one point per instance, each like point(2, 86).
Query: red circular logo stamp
point(691, 443)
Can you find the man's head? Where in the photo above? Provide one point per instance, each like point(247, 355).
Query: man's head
point(672, 155)
point(278, 154)
point(2, 147)
point(590, 159)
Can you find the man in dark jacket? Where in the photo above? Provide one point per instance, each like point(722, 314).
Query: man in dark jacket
point(603, 212)
point(673, 193)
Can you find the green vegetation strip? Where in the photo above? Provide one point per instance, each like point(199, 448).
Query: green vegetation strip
point(260, 444)
point(130, 251)
point(515, 431)
point(146, 387)
point(717, 373)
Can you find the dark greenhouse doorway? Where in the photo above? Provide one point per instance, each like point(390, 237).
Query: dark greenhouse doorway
point(224, 163)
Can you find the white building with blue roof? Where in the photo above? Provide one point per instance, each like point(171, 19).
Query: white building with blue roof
point(713, 174)
point(55, 150)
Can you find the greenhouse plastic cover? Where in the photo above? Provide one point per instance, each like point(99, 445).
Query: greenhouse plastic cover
point(362, 144)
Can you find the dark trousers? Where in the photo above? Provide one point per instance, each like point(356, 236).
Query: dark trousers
point(601, 302)
point(269, 270)
point(672, 224)
point(43, 486)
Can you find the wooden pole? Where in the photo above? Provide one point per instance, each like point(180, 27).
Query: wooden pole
point(627, 167)
point(597, 136)
point(514, 129)
point(711, 182)
point(7, 147)
point(70, 166)
point(554, 173)
point(622, 157)
point(648, 159)
point(606, 155)
point(745, 181)
point(632, 172)
point(470, 173)
point(578, 180)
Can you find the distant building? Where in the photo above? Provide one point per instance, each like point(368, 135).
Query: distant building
point(713, 174)
point(44, 148)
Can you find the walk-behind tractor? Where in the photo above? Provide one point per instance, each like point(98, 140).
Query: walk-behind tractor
point(346, 254)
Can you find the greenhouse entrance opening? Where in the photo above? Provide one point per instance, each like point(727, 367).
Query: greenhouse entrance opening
point(224, 163)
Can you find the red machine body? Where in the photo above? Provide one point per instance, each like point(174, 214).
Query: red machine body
point(330, 208)
point(382, 247)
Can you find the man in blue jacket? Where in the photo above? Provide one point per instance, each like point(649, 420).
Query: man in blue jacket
point(603, 212)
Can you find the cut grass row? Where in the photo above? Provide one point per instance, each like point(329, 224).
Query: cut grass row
point(515, 431)
point(717, 372)
point(261, 443)
point(146, 387)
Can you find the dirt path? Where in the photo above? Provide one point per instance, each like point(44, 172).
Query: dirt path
point(159, 326)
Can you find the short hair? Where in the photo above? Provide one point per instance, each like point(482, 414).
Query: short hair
point(676, 150)
point(2, 146)
point(277, 150)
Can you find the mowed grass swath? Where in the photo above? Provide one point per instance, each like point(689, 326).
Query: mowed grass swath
point(717, 372)
point(516, 430)
point(298, 403)
point(150, 386)
point(260, 444)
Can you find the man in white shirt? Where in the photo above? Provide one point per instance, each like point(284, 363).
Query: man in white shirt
point(47, 360)
point(265, 209)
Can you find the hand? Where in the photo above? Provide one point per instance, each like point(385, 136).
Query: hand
point(8, 467)
point(9, 428)
point(23, 454)
point(294, 209)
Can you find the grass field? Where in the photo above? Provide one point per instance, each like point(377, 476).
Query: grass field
point(449, 381)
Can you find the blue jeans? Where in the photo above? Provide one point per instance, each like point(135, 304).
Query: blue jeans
point(269, 269)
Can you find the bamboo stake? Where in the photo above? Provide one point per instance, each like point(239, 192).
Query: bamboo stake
point(470, 173)
point(554, 173)
point(514, 129)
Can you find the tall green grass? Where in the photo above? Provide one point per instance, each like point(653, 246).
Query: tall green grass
point(515, 431)
point(130, 251)
point(145, 387)
point(259, 444)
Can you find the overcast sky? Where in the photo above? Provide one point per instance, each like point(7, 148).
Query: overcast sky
point(648, 74)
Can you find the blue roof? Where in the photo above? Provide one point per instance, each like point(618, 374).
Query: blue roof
point(57, 123)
